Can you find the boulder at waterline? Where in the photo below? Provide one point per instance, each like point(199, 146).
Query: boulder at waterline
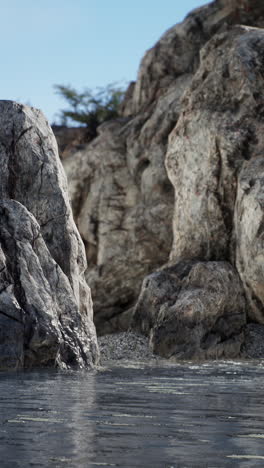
point(45, 303)
point(193, 310)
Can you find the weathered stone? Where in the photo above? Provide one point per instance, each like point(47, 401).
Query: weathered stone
point(121, 196)
point(249, 232)
point(219, 128)
point(177, 52)
point(123, 213)
point(253, 346)
point(45, 303)
point(193, 310)
point(216, 165)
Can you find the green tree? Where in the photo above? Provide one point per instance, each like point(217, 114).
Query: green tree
point(90, 108)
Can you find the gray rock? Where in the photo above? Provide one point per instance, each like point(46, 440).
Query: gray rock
point(123, 214)
point(45, 303)
point(193, 310)
point(216, 165)
point(176, 54)
point(218, 130)
point(121, 196)
point(249, 234)
point(253, 347)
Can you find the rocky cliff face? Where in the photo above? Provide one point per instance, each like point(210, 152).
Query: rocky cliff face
point(123, 200)
point(45, 304)
point(198, 104)
point(215, 163)
point(123, 214)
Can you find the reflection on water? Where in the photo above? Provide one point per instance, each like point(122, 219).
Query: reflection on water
point(208, 415)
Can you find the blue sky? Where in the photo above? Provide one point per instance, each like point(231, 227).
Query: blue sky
point(85, 43)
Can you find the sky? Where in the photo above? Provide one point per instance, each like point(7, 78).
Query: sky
point(82, 43)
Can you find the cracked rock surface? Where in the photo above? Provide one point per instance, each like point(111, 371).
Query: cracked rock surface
point(122, 198)
point(193, 310)
point(215, 163)
point(45, 303)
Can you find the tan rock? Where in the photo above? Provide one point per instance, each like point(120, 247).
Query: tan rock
point(121, 196)
point(219, 128)
point(215, 162)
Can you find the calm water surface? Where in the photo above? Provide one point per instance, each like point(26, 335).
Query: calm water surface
point(209, 415)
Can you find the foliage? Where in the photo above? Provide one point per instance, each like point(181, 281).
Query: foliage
point(90, 108)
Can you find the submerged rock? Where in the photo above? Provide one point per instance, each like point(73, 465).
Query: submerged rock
point(45, 303)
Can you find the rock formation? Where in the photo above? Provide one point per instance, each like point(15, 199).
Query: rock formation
point(123, 214)
point(193, 309)
point(215, 163)
point(122, 199)
point(45, 304)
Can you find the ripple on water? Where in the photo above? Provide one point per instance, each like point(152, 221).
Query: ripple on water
point(185, 415)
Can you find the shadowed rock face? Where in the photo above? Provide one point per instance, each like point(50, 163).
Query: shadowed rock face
point(121, 196)
point(249, 224)
point(70, 139)
point(123, 213)
point(193, 310)
point(45, 304)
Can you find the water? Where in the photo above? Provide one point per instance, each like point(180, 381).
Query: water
point(211, 415)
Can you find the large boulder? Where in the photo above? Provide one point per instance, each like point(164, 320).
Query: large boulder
point(193, 310)
point(121, 196)
point(45, 303)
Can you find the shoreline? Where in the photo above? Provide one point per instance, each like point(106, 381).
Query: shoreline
point(132, 346)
